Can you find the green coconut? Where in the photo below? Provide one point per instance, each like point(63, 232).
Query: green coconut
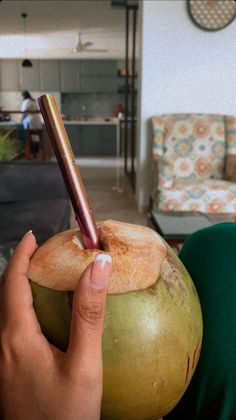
point(153, 322)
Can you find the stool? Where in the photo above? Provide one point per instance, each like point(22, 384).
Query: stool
point(29, 143)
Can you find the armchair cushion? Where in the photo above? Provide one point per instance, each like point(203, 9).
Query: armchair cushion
point(192, 146)
point(194, 157)
point(210, 196)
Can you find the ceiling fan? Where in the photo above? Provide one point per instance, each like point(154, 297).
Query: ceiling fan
point(84, 46)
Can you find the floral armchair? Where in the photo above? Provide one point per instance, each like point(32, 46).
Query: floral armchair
point(194, 158)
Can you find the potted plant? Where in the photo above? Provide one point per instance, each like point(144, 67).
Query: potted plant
point(10, 147)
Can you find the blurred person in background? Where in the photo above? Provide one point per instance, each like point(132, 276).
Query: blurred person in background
point(30, 120)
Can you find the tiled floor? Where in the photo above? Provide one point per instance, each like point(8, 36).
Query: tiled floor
point(100, 181)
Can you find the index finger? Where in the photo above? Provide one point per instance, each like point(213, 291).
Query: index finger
point(16, 296)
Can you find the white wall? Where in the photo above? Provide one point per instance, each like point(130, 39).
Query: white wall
point(182, 69)
point(51, 29)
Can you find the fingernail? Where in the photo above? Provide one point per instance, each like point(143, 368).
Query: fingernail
point(27, 233)
point(100, 271)
point(104, 258)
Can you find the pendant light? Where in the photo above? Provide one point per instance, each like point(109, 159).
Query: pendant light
point(26, 62)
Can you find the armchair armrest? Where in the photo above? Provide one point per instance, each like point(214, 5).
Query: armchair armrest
point(230, 168)
point(160, 168)
point(154, 176)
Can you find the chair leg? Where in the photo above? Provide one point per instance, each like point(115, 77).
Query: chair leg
point(45, 148)
point(48, 151)
point(28, 149)
point(42, 152)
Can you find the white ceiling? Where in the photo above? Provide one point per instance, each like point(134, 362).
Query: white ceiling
point(52, 27)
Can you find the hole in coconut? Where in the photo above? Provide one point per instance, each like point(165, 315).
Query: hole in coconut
point(79, 241)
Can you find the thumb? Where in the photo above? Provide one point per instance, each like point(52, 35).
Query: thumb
point(85, 346)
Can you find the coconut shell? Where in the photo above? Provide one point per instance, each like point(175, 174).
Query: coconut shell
point(152, 334)
point(137, 255)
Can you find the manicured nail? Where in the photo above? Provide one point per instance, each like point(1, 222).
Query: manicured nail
point(104, 258)
point(28, 233)
point(100, 271)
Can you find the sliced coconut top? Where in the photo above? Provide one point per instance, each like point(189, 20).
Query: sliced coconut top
point(137, 254)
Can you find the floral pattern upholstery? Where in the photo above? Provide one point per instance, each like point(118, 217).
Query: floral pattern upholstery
point(191, 151)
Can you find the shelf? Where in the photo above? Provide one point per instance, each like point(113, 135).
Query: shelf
point(122, 90)
point(121, 73)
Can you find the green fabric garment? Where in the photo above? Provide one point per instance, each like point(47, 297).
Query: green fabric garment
point(210, 257)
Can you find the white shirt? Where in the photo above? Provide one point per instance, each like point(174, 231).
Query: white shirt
point(30, 120)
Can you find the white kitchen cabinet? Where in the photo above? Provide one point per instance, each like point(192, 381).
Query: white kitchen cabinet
point(9, 75)
point(29, 76)
point(49, 73)
point(70, 75)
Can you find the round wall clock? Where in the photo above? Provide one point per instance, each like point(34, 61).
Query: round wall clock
point(212, 15)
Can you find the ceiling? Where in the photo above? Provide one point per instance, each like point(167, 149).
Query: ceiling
point(51, 28)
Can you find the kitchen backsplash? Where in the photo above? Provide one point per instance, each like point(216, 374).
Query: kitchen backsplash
point(11, 101)
point(78, 106)
point(73, 105)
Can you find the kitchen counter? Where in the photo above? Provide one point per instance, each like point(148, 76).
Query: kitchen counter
point(90, 121)
point(9, 123)
point(93, 121)
point(93, 137)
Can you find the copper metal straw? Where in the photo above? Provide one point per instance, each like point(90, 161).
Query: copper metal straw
point(69, 170)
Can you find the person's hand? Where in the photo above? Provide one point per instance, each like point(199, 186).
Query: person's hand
point(37, 381)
